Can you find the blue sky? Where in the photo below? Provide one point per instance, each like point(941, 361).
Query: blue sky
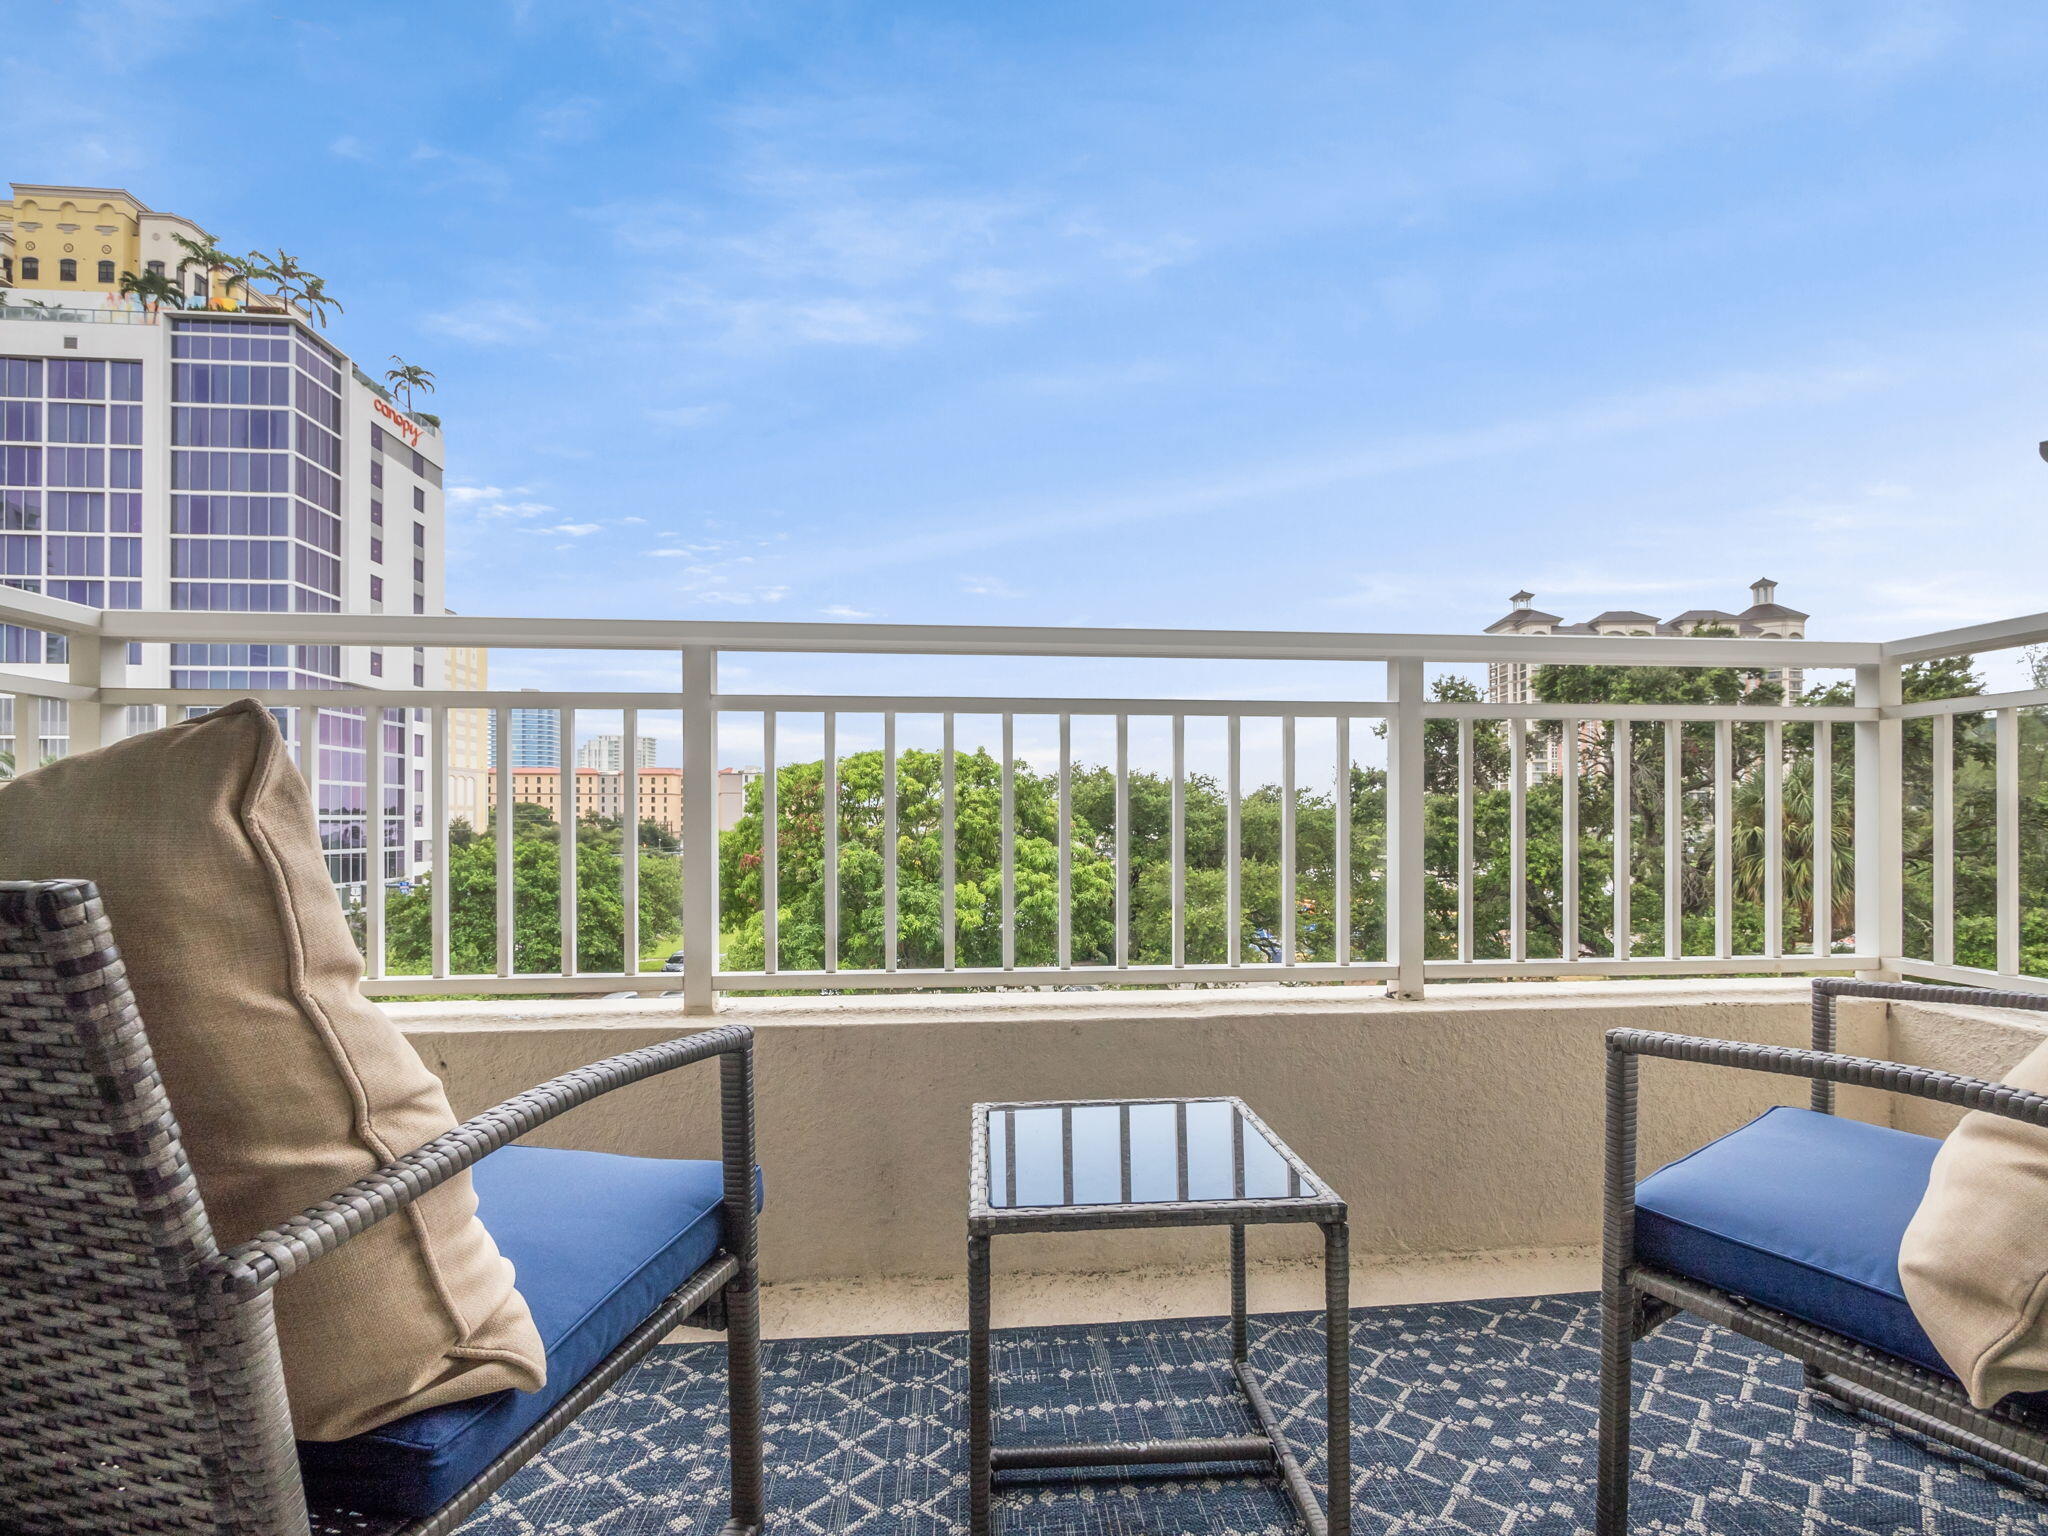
point(1241, 315)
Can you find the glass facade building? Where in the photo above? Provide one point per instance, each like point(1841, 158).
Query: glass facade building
point(227, 463)
point(536, 739)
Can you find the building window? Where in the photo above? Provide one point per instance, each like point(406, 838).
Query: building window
point(67, 270)
point(419, 498)
point(376, 471)
point(419, 570)
point(107, 273)
point(419, 674)
point(376, 589)
point(419, 602)
point(377, 512)
point(376, 663)
point(157, 268)
point(31, 268)
point(419, 535)
point(376, 551)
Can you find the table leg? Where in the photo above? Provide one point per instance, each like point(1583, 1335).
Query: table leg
point(1239, 1346)
point(1337, 1363)
point(980, 1409)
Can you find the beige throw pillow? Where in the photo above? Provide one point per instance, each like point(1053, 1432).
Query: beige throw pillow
point(1974, 1260)
point(287, 1084)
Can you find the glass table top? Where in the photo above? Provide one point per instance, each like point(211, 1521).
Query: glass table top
point(1135, 1153)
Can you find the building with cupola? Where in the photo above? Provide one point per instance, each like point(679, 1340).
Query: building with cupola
point(1511, 682)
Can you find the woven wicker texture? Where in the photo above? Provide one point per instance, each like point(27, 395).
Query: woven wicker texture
point(140, 1391)
point(132, 1394)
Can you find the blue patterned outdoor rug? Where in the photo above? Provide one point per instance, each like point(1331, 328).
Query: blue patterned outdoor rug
point(1469, 1416)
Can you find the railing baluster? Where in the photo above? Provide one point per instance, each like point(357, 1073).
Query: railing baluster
point(1674, 839)
point(1774, 838)
point(1179, 841)
point(1009, 842)
point(1341, 834)
point(566, 842)
point(1123, 841)
point(1822, 838)
point(629, 849)
point(1065, 834)
point(1724, 839)
point(700, 828)
point(504, 839)
point(890, 942)
point(1518, 840)
point(828, 808)
point(949, 893)
point(1568, 843)
point(1943, 814)
point(1233, 840)
point(373, 864)
point(1621, 747)
point(771, 850)
point(437, 812)
point(1287, 896)
point(2007, 789)
point(1465, 840)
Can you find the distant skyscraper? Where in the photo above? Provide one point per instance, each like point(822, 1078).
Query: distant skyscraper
point(607, 754)
point(536, 738)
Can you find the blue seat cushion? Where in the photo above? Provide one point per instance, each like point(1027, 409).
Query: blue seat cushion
point(598, 1242)
point(1802, 1212)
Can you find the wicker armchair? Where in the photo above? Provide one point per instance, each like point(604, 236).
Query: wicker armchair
point(140, 1386)
point(1639, 1294)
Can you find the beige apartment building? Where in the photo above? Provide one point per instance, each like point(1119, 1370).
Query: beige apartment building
point(658, 790)
point(469, 737)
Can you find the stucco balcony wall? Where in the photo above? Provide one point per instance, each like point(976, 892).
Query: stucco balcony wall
point(1468, 1123)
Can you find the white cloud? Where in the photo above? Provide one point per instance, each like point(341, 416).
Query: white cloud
point(572, 530)
point(686, 415)
point(349, 147)
point(987, 586)
point(841, 611)
point(568, 121)
point(742, 598)
point(486, 322)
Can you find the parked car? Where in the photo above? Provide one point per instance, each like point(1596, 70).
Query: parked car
point(674, 962)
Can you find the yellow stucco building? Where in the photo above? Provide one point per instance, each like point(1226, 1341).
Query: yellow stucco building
point(81, 239)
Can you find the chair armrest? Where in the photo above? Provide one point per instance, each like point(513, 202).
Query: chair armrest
point(283, 1250)
point(1830, 1067)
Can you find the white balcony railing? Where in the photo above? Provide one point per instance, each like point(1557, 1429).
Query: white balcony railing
point(1671, 839)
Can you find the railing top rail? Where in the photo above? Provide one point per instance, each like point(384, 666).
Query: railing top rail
point(2002, 634)
point(47, 613)
point(974, 640)
point(994, 704)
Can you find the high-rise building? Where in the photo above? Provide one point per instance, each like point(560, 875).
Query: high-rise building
point(1512, 682)
point(607, 754)
point(536, 738)
point(226, 458)
point(469, 737)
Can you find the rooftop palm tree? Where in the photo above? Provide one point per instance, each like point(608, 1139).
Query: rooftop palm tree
point(153, 288)
point(316, 299)
point(406, 377)
point(207, 256)
point(284, 271)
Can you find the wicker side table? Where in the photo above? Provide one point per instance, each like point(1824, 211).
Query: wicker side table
point(1094, 1165)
